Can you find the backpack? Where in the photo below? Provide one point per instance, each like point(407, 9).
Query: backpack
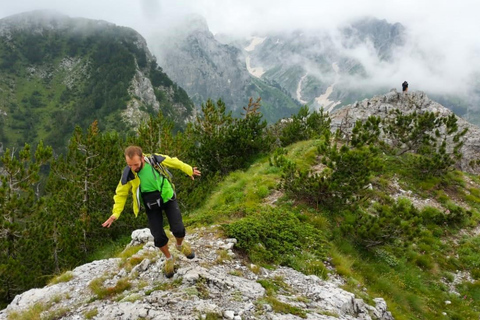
point(155, 160)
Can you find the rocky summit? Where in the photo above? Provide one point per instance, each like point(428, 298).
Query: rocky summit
point(409, 102)
point(218, 284)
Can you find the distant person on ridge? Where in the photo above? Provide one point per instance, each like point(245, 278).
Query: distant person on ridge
point(146, 176)
point(405, 86)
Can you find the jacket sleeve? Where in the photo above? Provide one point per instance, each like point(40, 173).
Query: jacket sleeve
point(120, 197)
point(177, 164)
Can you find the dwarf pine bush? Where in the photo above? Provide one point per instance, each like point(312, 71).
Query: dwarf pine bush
point(273, 234)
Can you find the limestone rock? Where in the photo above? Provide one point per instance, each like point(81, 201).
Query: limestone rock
point(201, 286)
point(409, 102)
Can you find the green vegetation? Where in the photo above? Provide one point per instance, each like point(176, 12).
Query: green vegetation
point(274, 286)
point(33, 313)
point(334, 202)
point(59, 78)
point(90, 314)
point(103, 292)
point(38, 311)
point(64, 277)
point(276, 101)
point(292, 194)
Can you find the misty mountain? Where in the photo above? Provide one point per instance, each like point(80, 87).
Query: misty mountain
point(208, 69)
point(384, 37)
point(321, 68)
point(57, 72)
point(307, 67)
point(315, 67)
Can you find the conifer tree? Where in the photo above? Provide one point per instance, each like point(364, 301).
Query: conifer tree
point(156, 135)
point(224, 143)
point(19, 203)
point(87, 177)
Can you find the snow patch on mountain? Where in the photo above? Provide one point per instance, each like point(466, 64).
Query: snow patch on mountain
point(255, 42)
point(322, 100)
point(257, 71)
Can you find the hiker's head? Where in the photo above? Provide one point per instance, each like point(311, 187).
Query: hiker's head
point(405, 86)
point(134, 158)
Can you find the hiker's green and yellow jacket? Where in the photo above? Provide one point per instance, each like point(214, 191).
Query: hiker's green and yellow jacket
point(130, 181)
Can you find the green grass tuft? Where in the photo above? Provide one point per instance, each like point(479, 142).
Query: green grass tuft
point(64, 277)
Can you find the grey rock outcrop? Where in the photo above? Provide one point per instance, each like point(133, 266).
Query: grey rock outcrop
point(409, 102)
point(217, 282)
point(209, 69)
point(202, 65)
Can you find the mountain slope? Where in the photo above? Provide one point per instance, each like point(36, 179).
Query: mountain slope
point(57, 72)
point(415, 274)
point(308, 67)
point(315, 66)
point(208, 69)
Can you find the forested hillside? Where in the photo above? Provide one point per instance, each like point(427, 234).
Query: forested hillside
point(380, 204)
point(57, 72)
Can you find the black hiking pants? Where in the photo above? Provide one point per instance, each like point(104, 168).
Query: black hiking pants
point(155, 217)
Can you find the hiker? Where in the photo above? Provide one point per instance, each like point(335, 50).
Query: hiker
point(405, 86)
point(146, 176)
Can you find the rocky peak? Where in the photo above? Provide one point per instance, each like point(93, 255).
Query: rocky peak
point(409, 102)
point(217, 282)
point(195, 23)
point(202, 65)
point(383, 35)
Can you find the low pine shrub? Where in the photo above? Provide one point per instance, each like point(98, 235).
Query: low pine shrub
point(273, 234)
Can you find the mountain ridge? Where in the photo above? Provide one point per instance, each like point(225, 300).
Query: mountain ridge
point(71, 71)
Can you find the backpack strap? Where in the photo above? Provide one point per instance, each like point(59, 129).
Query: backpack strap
point(155, 160)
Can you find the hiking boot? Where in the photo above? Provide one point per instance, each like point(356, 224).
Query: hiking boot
point(169, 267)
point(186, 250)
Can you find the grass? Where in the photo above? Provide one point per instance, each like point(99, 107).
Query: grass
point(39, 311)
point(102, 292)
point(211, 316)
point(32, 313)
point(222, 256)
point(129, 252)
point(110, 249)
point(411, 274)
point(64, 277)
point(90, 314)
point(282, 307)
point(272, 288)
point(408, 273)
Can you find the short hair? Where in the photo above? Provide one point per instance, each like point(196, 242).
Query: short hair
point(132, 151)
point(404, 85)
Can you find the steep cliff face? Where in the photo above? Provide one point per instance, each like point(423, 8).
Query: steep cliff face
point(203, 66)
point(208, 69)
point(384, 36)
point(217, 283)
point(57, 72)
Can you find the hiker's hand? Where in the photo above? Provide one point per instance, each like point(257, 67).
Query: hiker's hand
point(195, 173)
point(109, 222)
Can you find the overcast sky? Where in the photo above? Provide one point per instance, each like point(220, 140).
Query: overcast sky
point(447, 31)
